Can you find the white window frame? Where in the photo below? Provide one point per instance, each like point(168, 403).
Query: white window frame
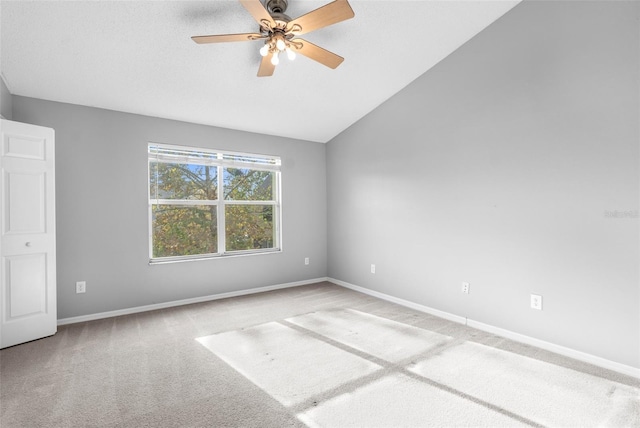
point(220, 159)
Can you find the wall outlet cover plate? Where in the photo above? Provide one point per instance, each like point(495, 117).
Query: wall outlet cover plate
point(536, 302)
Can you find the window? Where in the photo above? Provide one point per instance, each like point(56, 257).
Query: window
point(206, 203)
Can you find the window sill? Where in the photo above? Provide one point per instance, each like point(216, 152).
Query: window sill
point(170, 260)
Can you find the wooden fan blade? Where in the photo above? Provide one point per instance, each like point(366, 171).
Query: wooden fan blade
point(329, 14)
point(266, 68)
point(244, 37)
point(316, 53)
point(258, 11)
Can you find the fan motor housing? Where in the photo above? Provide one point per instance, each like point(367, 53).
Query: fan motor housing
point(276, 9)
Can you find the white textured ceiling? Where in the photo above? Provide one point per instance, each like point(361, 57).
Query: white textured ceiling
point(137, 57)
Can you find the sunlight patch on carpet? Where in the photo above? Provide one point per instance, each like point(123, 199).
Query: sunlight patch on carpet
point(288, 365)
point(349, 368)
point(548, 394)
point(386, 339)
point(400, 401)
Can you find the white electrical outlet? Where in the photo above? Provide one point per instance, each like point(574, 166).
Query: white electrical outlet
point(306, 260)
point(81, 287)
point(373, 268)
point(465, 287)
point(536, 302)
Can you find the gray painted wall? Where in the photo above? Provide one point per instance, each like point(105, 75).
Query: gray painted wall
point(102, 226)
point(498, 167)
point(6, 109)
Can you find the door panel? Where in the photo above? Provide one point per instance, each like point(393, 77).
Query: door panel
point(27, 244)
point(25, 202)
point(23, 146)
point(26, 281)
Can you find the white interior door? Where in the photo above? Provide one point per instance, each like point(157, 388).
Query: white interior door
point(27, 240)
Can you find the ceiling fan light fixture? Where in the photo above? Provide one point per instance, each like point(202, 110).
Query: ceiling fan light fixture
point(290, 54)
point(264, 50)
point(274, 59)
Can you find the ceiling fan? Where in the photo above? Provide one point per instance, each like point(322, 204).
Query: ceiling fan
point(280, 33)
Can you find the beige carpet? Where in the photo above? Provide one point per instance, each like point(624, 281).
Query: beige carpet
point(317, 355)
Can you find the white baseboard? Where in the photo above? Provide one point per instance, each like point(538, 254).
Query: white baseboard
point(138, 309)
point(407, 303)
point(567, 352)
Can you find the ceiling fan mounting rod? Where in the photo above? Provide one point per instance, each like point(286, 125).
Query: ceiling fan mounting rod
point(276, 6)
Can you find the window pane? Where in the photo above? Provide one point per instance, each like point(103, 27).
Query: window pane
point(249, 227)
point(183, 181)
point(183, 231)
point(242, 184)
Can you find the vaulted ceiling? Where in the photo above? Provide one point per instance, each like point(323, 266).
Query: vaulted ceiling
point(138, 57)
